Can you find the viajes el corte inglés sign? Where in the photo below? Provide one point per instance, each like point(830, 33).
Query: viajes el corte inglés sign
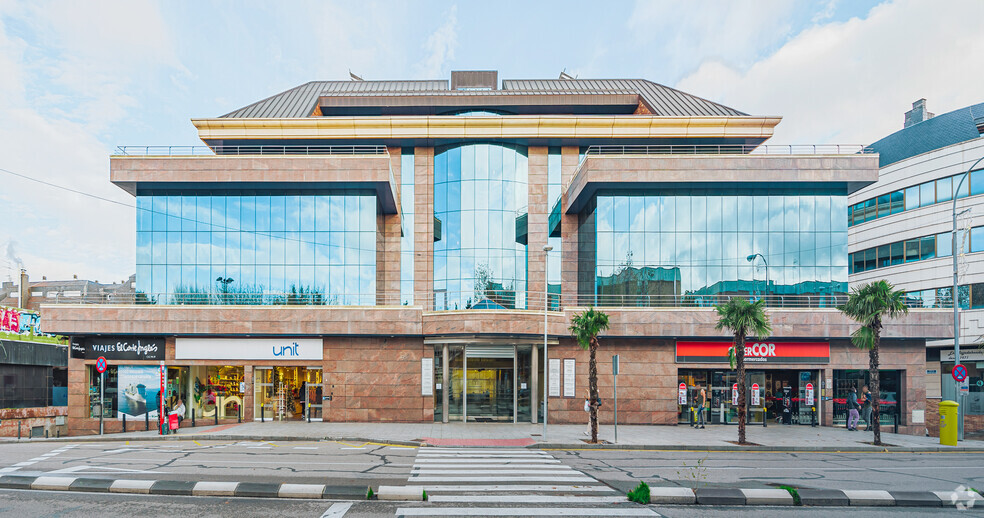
point(118, 348)
point(755, 352)
point(248, 349)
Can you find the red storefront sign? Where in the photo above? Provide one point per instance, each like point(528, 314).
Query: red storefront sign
point(755, 352)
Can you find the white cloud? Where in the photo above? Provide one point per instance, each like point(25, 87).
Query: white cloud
point(676, 37)
point(68, 72)
point(850, 82)
point(440, 47)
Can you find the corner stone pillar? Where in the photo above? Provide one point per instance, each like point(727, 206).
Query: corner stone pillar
point(388, 244)
point(423, 228)
point(568, 224)
point(536, 233)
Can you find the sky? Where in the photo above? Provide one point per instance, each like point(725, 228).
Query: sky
point(78, 79)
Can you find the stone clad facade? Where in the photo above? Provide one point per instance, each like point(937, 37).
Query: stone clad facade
point(289, 238)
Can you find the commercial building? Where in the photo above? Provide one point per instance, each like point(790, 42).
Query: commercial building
point(901, 230)
point(378, 251)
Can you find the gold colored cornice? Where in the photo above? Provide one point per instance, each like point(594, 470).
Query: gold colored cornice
point(498, 127)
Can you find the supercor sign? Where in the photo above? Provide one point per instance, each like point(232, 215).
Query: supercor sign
point(755, 352)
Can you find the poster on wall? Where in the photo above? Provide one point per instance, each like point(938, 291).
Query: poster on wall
point(553, 377)
point(568, 377)
point(139, 387)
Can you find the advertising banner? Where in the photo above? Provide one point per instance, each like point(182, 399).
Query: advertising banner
point(248, 349)
point(755, 352)
point(21, 321)
point(139, 390)
point(118, 348)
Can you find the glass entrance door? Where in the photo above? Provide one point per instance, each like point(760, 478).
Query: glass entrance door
point(312, 388)
point(488, 385)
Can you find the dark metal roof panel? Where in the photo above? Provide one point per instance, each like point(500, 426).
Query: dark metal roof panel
point(929, 135)
point(300, 101)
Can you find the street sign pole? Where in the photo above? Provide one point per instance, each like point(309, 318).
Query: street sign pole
point(615, 385)
point(102, 400)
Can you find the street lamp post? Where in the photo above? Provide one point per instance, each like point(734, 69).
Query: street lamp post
point(751, 259)
point(546, 357)
point(954, 297)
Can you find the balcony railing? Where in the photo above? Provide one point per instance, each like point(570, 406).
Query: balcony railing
point(731, 149)
point(439, 300)
point(249, 150)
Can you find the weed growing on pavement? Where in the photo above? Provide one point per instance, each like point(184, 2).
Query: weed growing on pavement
point(424, 495)
point(640, 494)
point(369, 494)
point(694, 474)
point(794, 493)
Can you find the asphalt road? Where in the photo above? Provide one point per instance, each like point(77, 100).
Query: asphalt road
point(29, 504)
point(325, 462)
point(888, 471)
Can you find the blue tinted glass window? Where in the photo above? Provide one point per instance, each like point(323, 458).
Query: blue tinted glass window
point(977, 239)
point(964, 185)
point(927, 194)
point(977, 182)
point(912, 197)
point(944, 244)
point(944, 189)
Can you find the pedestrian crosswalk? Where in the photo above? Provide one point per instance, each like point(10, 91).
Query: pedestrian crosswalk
point(509, 482)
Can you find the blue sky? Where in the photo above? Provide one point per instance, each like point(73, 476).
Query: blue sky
point(79, 78)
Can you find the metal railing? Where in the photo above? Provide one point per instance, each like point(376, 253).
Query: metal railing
point(440, 300)
point(731, 149)
point(250, 150)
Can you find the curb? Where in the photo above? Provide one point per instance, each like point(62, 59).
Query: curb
point(813, 497)
point(184, 488)
point(536, 446)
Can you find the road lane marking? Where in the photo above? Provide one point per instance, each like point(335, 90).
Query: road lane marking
point(100, 469)
point(337, 510)
point(551, 478)
point(519, 499)
point(517, 488)
point(305, 447)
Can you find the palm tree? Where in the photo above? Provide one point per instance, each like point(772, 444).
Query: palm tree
point(585, 328)
point(742, 318)
point(869, 304)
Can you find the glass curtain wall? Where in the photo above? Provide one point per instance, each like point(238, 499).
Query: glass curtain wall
point(257, 248)
point(673, 247)
point(480, 194)
point(553, 196)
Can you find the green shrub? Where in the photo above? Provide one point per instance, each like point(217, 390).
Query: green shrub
point(369, 493)
point(640, 494)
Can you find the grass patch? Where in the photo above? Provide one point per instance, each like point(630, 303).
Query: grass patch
point(424, 495)
point(794, 493)
point(640, 494)
point(369, 493)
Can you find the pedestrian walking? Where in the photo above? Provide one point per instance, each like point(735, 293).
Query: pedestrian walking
point(865, 401)
point(701, 404)
point(587, 409)
point(852, 406)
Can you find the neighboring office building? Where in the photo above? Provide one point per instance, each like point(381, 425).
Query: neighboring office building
point(373, 251)
point(901, 232)
point(74, 290)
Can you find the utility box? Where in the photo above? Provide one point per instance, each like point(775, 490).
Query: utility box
point(949, 423)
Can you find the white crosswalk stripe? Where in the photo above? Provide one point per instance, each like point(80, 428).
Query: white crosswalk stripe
point(518, 482)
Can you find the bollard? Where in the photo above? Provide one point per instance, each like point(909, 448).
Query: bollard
point(147, 421)
point(765, 416)
point(124, 423)
point(45, 433)
point(262, 412)
point(192, 417)
point(813, 416)
point(58, 433)
point(309, 413)
point(216, 414)
point(895, 417)
point(18, 430)
point(239, 413)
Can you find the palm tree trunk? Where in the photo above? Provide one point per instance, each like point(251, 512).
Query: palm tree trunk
point(593, 388)
point(875, 385)
point(740, 361)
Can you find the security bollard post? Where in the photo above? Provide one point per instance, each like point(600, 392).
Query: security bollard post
point(192, 417)
point(146, 421)
point(239, 413)
point(124, 423)
point(262, 412)
point(896, 418)
point(45, 433)
point(19, 430)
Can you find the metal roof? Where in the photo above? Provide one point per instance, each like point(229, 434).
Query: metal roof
point(301, 101)
point(931, 134)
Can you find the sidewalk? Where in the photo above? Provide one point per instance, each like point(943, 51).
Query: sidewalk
point(714, 437)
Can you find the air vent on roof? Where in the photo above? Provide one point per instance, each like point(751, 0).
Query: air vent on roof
point(474, 80)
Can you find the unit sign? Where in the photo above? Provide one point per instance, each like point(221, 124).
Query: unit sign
point(248, 349)
point(755, 352)
point(118, 348)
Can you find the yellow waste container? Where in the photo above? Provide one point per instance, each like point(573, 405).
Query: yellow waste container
point(949, 425)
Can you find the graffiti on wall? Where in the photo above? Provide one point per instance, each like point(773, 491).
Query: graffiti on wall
point(15, 320)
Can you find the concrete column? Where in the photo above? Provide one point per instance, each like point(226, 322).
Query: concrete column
point(569, 224)
point(423, 231)
point(388, 228)
point(538, 212)
point(445, 381)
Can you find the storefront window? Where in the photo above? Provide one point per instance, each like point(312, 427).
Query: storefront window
point(108, 406)
point(890, 393)
point(287, 393)
point(214, 388)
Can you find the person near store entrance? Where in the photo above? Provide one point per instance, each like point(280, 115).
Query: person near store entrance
point(178, 410)
point(865, 401)
point(701, 404)
point(853, 407)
